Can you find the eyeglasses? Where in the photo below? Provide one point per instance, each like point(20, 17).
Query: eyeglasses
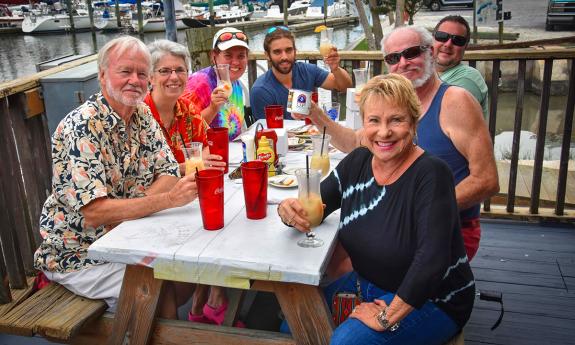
point(274, 28)
point(408, 53)
point(226, 36)
point(165, 72)
point(457, 40)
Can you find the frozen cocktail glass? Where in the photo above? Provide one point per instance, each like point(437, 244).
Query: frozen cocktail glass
point(211, 196)
point(255, 182)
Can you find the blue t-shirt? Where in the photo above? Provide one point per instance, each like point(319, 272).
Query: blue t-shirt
point(268, 90)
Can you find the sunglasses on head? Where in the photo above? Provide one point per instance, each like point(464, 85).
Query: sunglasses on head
point(226, 36)
point(274, 28)
point(408, 53)
point(457, 40)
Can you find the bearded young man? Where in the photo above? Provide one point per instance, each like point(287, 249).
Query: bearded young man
point(285, 73)
point(451, 127)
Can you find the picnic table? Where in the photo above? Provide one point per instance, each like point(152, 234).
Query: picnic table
point(248, 254)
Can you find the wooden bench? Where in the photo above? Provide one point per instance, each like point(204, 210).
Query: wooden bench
point(52, 312)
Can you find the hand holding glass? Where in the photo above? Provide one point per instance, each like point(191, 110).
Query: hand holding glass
point(224, 81)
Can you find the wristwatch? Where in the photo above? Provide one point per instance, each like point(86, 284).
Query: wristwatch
point(384, 323)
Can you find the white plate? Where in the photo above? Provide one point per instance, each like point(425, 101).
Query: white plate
point(295, 142)
point(283, 181)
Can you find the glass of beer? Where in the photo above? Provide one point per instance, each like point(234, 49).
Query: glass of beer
point(325, 42)
point(193, 156)
point(320, 156)
point(310, 199)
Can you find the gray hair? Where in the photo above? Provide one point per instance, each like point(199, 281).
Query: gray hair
point(121, 45)
point(424, 35)
point(160, 48)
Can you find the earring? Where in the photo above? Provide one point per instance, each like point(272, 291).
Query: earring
point(415, 139)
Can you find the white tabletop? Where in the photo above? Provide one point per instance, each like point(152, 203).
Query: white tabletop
point(174, 243)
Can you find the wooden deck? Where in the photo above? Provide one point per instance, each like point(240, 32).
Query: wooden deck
point(533, 265)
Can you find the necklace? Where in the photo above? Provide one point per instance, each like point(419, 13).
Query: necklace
point(396, 169)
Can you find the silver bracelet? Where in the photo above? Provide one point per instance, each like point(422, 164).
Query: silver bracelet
point(381, 318)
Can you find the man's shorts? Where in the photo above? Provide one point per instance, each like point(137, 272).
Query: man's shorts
point(471, 231)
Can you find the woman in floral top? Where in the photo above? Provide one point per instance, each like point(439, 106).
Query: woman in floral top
point(230, 46)
point(177, 114)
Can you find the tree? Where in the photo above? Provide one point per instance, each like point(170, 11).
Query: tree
point(412, 7)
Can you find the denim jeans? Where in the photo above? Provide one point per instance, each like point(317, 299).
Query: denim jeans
point(428, 325)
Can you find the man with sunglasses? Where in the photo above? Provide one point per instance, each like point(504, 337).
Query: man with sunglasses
point(450, 39)
point(285, 73)
point(451, 126)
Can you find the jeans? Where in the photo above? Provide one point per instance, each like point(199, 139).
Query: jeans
point(428, 325)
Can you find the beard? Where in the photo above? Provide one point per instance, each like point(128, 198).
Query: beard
point(428, 70)
point(118, 96)
point(281, 70)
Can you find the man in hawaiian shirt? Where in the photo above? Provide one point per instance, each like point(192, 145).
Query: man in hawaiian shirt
point(110, 163)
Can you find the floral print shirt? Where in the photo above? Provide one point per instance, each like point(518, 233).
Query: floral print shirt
point(94, 155)
point(231, 114)
point(188, 125)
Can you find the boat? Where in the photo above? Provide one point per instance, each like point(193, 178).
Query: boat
point(154, 20)
point(50, 23)
point(107, 21)
point(298, 7)
point(334, 9)
point(9, 22)
point(222, 16)
point(274, 12)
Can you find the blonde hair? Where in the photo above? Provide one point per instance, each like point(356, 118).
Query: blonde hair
point(395, 89)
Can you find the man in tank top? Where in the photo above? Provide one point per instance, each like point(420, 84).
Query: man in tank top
point(451, 127)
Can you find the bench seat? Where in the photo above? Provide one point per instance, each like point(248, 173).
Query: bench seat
point(53, 312)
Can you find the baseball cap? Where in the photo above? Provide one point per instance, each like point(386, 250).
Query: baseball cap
point(230, 37)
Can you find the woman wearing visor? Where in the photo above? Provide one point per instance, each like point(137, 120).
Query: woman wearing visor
point(230, 46)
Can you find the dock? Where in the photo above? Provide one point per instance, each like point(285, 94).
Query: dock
point(297, 24)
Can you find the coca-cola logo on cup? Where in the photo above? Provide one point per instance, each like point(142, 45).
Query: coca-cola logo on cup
point(219, 191)
point(210, 143)
point(278, 118)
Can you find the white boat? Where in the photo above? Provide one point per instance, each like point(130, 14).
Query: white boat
point(334, 9)
point(106, 20)
point(298, 7)
point(274, 12)
point(158, 24)
point(48, 23)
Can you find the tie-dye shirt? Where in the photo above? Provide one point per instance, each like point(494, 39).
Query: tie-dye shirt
point(231, 114)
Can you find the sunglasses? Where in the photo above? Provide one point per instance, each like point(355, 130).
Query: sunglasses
point(457, 40)
point(274, 28)
point(408, 53)
point(226, 36)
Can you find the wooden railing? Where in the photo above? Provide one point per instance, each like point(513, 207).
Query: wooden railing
point(25, 172)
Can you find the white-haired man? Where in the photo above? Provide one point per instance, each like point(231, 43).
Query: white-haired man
point(111, 163)
point(451, 127)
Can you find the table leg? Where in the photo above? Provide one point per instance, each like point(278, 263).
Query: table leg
point(134, 319)
point(306, 312)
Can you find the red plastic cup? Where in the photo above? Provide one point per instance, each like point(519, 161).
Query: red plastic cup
point(274, 116)
point(255, 181)
point(211, 196)
point(315, 99)
point(218, 143)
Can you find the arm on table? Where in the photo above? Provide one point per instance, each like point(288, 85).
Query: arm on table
point(343, 138)
point(338, 79)
point(104, 211)
point(471, 137)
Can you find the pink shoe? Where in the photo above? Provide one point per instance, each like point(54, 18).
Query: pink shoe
point(217, 315)
point(199, 318)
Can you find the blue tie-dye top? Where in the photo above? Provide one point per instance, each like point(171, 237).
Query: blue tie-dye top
point(404, 237)
point(231, 114)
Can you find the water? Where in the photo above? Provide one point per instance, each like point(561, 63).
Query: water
point(19, 54)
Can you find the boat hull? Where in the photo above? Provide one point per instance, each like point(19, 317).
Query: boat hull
point(10, 24)
point(54, 23)
point(158, 24)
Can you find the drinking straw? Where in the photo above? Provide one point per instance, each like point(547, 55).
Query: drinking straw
point(307, 174)
point(322, 141)
point(183, 146)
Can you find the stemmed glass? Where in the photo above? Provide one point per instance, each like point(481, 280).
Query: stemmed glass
point(224, 81)
point(310, 199)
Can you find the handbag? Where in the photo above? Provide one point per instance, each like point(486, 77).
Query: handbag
point(343, 303)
